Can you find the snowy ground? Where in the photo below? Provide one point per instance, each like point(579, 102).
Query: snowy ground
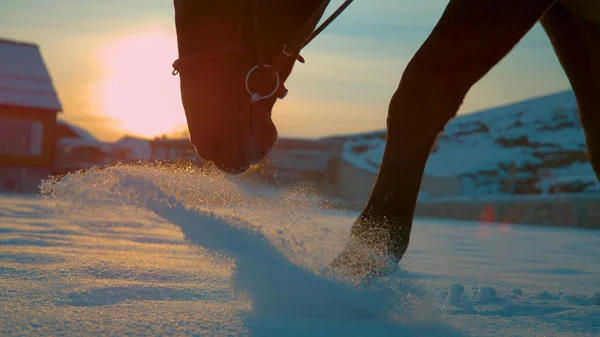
point(144, 251)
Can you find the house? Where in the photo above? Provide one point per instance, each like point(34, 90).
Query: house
point(310, 161)
point(77, 149)
point(164, 149)
point(132, 148)
point(28, 108)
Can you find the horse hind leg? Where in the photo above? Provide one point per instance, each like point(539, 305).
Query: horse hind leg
point(576, 42)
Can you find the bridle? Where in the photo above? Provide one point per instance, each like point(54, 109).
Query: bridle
point(291, 50)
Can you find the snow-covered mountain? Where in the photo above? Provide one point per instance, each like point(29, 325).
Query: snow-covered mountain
point(539, 143)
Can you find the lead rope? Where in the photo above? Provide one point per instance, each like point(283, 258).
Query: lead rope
point(327, 22)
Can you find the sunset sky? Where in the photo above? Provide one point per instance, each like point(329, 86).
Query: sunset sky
point(111, 64)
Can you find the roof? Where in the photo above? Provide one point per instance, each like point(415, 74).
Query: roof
point(64, 131)
point(78, 137)
point(24, 78)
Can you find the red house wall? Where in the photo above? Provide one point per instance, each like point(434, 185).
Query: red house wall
point(48, 119)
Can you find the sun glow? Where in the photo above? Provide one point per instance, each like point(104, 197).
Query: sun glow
point(137, 88)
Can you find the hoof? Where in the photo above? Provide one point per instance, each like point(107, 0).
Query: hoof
point(360, 264)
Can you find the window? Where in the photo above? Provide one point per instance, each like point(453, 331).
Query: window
point(20, 137)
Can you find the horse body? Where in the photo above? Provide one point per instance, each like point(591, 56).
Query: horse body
point(470, 38)
point(584, 9)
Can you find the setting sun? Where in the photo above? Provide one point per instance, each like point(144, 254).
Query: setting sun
point(137, 88)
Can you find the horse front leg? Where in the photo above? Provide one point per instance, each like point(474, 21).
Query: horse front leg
point(468, 40)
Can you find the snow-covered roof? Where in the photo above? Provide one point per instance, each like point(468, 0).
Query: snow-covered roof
point(82, 134)
point(24, 79)
point(84, 138)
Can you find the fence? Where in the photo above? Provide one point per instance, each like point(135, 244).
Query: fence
point(565, 210)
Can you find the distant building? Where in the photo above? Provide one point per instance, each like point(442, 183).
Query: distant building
point(28, 109)
point(77, 149)
point(164, 149)
point(304, 160)
point(132, 148)
point(355, 184)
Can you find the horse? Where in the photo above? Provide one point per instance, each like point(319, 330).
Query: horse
point(235, 57)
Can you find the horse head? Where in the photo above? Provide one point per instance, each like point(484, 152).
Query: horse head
point(234, 59)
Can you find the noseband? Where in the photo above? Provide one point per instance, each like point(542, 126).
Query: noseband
point(291, 50)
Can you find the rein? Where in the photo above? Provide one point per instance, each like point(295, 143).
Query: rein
point(291, 50)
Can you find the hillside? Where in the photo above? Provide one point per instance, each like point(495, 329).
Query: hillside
point(538, 143)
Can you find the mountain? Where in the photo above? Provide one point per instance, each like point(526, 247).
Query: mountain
point(537, 143)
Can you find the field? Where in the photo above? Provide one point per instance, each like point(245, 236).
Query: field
point(138, 251)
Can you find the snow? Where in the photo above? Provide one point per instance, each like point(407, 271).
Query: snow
point(134, 250)
point(483, 154)
point(487, 295)
point(455, 291)
point(24, 79)
point(368, 160)
point(532, 109)
point(455, 159)
point(576, 172)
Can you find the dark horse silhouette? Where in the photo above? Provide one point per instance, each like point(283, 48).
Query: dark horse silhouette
point(236, 55)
